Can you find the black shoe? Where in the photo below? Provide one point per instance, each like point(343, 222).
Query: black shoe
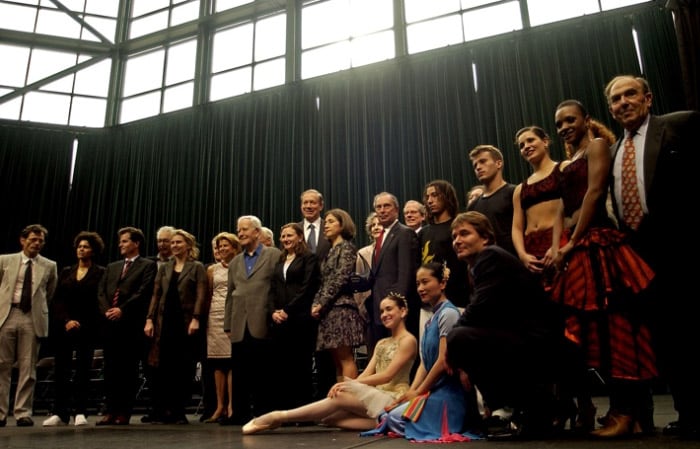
point(25, 421)
point(146, 419)
point(3, 422)
point(672, 429)
point(498, 428)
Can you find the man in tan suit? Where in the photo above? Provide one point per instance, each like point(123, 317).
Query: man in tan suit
point(27, 283)
point(246, 318)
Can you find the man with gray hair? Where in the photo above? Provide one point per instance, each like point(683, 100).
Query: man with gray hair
point(267, 237)
point(163, 237)
point(414, 214)
point(246, 321)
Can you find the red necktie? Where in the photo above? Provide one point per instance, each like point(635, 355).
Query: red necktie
point(378, 247)
point(631, 203)
point(115, 299)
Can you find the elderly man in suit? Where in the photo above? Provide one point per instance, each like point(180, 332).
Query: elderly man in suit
point(246, 318)
point(27, 283)
point(663, 151)
point(395, 261)
point(124, 294)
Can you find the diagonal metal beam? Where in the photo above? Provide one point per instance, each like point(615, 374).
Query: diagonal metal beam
point(80, 20)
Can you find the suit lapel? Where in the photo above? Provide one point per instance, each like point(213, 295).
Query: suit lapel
point(185, 270)
point(386, 242)
point(652, 146)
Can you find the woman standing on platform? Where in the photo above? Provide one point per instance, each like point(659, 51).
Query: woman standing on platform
point(173, 324)
point(75, 316)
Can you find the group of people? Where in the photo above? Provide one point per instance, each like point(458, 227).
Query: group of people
point(496, 314)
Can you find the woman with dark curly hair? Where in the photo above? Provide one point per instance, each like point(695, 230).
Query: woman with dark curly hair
point(74, 317)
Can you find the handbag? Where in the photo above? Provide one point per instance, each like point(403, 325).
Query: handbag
point(361, 282)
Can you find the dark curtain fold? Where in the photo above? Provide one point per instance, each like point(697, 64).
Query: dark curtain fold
point(687, 25)
point(35, 175)
point(392, 126)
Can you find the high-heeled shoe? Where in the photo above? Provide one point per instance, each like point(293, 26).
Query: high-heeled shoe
point(275, 420)
point(618, 426)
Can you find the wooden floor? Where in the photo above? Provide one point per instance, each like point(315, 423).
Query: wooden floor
point(204, 436)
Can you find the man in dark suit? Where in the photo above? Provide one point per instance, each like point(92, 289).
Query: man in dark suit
point(27, 284)
point(246, 318)
point(394, 267)
point(312, 223)
point(665, 148)
point(124, 294)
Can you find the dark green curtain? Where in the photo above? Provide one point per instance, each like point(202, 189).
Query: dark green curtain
point(391, 126)
point(35, 176)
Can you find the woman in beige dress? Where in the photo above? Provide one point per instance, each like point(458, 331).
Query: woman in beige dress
point(218, 343)
point(356, 404)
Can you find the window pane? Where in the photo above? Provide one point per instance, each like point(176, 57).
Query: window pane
point(270, 37)
point(368, 16)
point(178, 97)
point(373, 48)
point(46, 108)
point(108, 8)
point(324, 22)
point(230, 84)
point(72, 5)
point(546, 11)
point(140, 107)
point(149, 24)
point(434, 34)
point(612, 4)
point(10, 109)
point(106, 27)
point(140, 7)
point(93, 80)
point(57, 23)
point(185, 13)
point(491, 21)
point(269, 74)
point(20, 18)
point(222, 5)
point(45, 62)
point(467, 4)
point(181, 62)
point(88, 112)
point(13, 74)
point(143, 72)
point(328, 59)
point(232, 48)
point(422, 9)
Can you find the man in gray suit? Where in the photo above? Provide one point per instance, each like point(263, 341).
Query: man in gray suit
point(394, 267)
point(246, 318)
point(27, 284)
point(665, 149)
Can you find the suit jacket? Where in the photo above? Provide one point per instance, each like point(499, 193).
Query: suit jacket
point(670, 163)
point(296, 293)
point(395, 269)
point(44, 279)
point(247, 301)
point(191, 289)
point(135, 289)
point(323, 245)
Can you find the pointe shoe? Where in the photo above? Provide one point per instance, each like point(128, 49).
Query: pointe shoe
point(276, 420)
point(618, 426)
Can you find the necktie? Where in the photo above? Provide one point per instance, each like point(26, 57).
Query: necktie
point(25, 303)
point(631, 203)
point(378, 247)
point(311, 240)
point(125, 268)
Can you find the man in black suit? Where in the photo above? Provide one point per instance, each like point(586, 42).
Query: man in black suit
point(394, 267)
point(665, 148)
point(312, 223)
point(124, 295)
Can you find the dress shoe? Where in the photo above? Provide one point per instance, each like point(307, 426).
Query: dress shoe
point(3, 422)
point(672, 429)
point(146, 419)
point(25, 421)
point(121, 420)
point(275, 419)
point(106, 420)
